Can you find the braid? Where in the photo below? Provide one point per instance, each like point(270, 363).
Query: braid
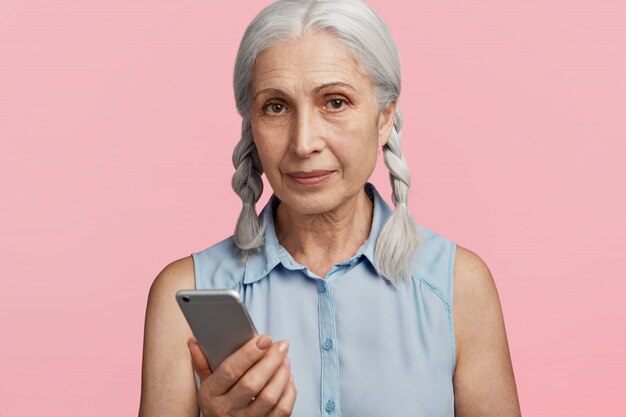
point(399, 174)
point(399, 239)
point(248, 184)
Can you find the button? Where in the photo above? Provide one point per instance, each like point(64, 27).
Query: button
point(330, 406)
point(321, 287)
point(328, 344)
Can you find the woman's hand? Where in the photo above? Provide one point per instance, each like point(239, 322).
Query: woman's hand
point(254, 381)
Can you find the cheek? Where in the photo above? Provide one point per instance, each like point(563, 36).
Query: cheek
point(265, 156)
point(270, 153)
point(358, 147)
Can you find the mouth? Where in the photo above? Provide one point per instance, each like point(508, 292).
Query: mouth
point(310, 177)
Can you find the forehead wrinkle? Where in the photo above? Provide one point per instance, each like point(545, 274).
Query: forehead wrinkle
point(288, 66)
point(310, 69)
point(280, 90)
point(294, 73)
point(293, 80)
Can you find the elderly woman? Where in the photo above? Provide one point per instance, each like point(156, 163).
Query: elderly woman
point(362, 312)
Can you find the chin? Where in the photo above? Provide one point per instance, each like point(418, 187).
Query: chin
point(321, 201)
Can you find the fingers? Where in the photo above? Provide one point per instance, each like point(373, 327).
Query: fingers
point(257, 377)
point(198, 360)
point(271, 394)
point(286, 403)
point(234, 366)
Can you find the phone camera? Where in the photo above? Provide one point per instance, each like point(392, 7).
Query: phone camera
point(186, 298)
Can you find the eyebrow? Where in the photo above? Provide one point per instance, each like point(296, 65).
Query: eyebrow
point(333, 84)
point(271, 91)
point(316, 90)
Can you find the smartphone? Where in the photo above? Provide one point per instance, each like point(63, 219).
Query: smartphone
point(219, 321)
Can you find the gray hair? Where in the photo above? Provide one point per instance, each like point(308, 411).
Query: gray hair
point(363, 32)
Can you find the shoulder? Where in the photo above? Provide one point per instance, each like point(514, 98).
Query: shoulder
point(175, 276)
point(472, 277)
point(433, 265)
point(476, 301)
point(178, 274)
point(475, 291)
point(218, 266)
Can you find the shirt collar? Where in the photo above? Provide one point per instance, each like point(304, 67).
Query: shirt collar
point(273, 253)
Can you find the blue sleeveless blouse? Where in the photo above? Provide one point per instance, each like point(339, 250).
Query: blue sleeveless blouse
point(359, 346)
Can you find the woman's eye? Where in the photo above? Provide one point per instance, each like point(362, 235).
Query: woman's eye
point(274, 108)
point(336, 103)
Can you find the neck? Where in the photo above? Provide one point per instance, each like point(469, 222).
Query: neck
point(325, 239)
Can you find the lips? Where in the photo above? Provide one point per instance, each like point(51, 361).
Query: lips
point(310, 177)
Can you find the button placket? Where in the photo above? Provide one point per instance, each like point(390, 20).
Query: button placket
point(329, 359)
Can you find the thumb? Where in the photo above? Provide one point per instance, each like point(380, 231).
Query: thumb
point(199, 361)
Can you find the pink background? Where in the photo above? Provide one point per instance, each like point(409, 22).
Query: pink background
point(117, 123)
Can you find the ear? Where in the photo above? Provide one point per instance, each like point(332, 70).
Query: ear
point(385, 123)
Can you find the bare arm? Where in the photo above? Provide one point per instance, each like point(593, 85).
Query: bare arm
point(167, 381)
point(484, 384)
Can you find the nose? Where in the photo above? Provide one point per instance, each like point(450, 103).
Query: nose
point(306, 134)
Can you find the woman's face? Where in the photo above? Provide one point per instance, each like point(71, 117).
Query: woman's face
point(315, 122)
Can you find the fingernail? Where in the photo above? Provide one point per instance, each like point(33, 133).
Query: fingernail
point(286, 360)
point(283, 346)
point(264, 342)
